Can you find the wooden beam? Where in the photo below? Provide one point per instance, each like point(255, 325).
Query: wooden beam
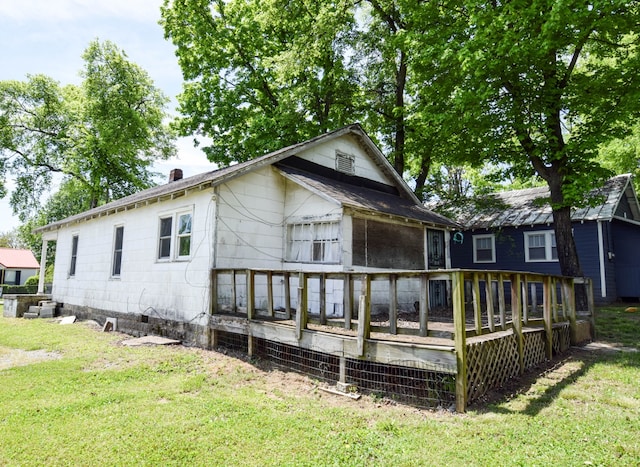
point(301, 312)
point(477, 308)
point(423, 308)
point(364, 315)
point(460, 336)
point(347, 300)
point(251, 293)
point(516, 317)
point(393, 304)
point(234, 292)
point(323, 299)
point(488, 290)
point(525, 301)
point(554, 300)
point(547, 306)
point(287, 294)
point(270, 309)
point(501, 303)
point(570, 294)
point(213, 294)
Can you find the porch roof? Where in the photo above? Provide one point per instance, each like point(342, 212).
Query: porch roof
point(365, 198)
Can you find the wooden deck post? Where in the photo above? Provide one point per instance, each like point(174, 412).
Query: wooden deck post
point(477, 308)
point(516, 317)
point(213, 296)
point(424, 305)
point(460, 336)
point(347, 301)
point(554, 300)
point(270, 293)
point(393, 304)
point(525, 301)
point(364, 314)
point(301, 312)
point(287, 295)
point(501, 303)
point(590, 305)
point(323, 299)
point(488, 290)
point(234, 292)
point(211, 335)
point(570, 307)
point(534, 298)
point(547, 306)
point(251, 293)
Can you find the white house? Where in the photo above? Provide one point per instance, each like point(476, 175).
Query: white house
point(332, 203)
point(16, 266)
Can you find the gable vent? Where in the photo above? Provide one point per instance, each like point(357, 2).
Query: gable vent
point(345, 163)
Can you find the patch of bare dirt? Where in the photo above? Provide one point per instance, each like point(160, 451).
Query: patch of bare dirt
point(10, 358)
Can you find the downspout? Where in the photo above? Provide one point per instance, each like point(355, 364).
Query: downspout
point(603, 278)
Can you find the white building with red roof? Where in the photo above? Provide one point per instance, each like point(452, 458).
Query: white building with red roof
point(16, 266)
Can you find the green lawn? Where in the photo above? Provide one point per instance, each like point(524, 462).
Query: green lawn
point(92, 401)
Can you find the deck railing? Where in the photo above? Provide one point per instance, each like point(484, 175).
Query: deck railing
point(469, 304)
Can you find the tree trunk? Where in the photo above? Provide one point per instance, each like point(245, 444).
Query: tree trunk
point(565, 243)
point(568, 254)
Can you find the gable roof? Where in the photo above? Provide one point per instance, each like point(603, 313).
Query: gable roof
point(12, 258)
point(528, 207)
point(220, 176)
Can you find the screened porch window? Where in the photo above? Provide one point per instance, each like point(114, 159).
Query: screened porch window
point(314, 242)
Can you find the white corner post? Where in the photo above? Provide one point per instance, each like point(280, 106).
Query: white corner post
point(43, 266)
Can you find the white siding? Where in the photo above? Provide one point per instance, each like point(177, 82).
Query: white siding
point(165, 289)
point(250, 221)
point(325, 154)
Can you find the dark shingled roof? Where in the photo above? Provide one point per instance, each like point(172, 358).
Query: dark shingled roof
point(217, 177)
point(368, 199)
point(528, 207)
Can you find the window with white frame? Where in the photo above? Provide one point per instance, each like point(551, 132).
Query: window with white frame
point(174, 238)
point(74, 255)
point(184, 235)
point(540, 246)
point(164, 242)
point(484, 248)
point(117, 251)
point(314, 242)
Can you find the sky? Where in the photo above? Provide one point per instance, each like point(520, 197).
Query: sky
point(49, 36)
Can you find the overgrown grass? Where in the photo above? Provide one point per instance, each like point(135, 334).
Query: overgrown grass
point(102, 403)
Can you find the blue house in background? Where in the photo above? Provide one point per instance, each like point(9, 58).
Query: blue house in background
point(514, 232)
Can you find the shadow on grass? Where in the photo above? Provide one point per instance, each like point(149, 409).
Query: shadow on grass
point(540, 388)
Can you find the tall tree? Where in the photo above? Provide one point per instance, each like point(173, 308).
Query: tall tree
point(263, 73)
point(260, 73)
point(103, 134)
point(539, 86)
point(623, 155)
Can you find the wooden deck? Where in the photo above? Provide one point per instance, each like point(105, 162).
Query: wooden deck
point(495, 324)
